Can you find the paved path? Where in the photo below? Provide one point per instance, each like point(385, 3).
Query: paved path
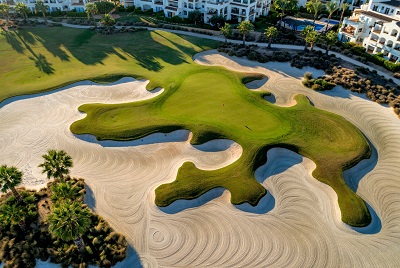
point(281, 46)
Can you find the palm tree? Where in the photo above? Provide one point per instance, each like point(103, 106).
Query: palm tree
point(108, 21)
point(56, 164)
point(10, 177)
point(312, 38)
point(315, 6)
point(65, 191)
point(285, 5)
point(226, 31)
point(270, 33)
point(343, 7)
point(91, 10)
point(245, 27)
point(305, 32)
point(22, 9)
point(5, 11)
point(330, 38)
point(13, 214)
point(195, 16)
point(41, 7)
point(331, 7)
point(69, 221)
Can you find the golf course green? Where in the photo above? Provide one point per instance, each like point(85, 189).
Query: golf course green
point(211, 102)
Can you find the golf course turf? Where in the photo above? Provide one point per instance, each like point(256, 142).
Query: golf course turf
point(212, 102)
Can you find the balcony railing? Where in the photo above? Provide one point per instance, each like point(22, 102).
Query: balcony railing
point(348, 31)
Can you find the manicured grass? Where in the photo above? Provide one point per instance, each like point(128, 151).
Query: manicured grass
point(37, 59)
point(209, 101)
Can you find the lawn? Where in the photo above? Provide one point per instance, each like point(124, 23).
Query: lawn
point(212, 102)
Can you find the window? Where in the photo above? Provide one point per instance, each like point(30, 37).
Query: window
point(185, 12)
point(398, 12)
point(387, 10)
point(375, 8)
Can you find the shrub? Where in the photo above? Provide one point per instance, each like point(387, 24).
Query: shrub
point(308, 75)
point(104, 7)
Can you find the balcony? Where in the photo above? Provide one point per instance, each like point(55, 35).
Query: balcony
point(377, 31)
point(80, 3)
point(349, 30)
point(172, 8)
point(158, 2)
point(217, 2)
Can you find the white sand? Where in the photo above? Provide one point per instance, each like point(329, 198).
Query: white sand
point(296, 225)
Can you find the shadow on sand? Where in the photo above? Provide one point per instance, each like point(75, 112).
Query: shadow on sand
point(175, 136)
point(132, 258)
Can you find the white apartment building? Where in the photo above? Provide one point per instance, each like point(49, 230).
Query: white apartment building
point(229, 9)
point(63, 5)
point(376, 26)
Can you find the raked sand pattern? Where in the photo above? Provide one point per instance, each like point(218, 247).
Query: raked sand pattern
point(296, 225)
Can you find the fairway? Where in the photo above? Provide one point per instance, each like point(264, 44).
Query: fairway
point(211, 102)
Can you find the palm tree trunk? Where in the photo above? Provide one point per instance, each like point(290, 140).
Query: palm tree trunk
point(305, 46)
point(327, 25)
point(79, 244)
point(270, 42)
point(244, 39)
point(22, 225)
point(341, 17)
point(44, 16)
point(327, 49)
point(94, 21)
point(311, 47)
point(17, 195)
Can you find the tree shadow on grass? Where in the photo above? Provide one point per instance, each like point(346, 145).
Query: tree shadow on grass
point(20, 41)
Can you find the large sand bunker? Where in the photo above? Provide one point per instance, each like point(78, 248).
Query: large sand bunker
point(296, 225)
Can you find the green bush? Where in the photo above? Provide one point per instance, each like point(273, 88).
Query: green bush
point(149, 12)
point(177, 19)
point(104, 7)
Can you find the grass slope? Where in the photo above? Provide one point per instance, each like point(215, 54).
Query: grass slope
point(209, 101)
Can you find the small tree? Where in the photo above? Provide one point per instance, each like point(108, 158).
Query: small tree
point(41, 7)
point(195, 16)
point(10, 177)
point(314, 6)
point(69, 221)
point(217, 21)
point(331, 7)
point(91, 10)
point(343, 7)
point(108, 21)
point(5, 11)
point(56, 164)
point(245, 27)
point(22, 9)
point(331, 38)
point(304, 34)
point(12, 215)
point(270, 33)
point(65, 191)
point(312, 38)
point(285, 5)
point(226, 31)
